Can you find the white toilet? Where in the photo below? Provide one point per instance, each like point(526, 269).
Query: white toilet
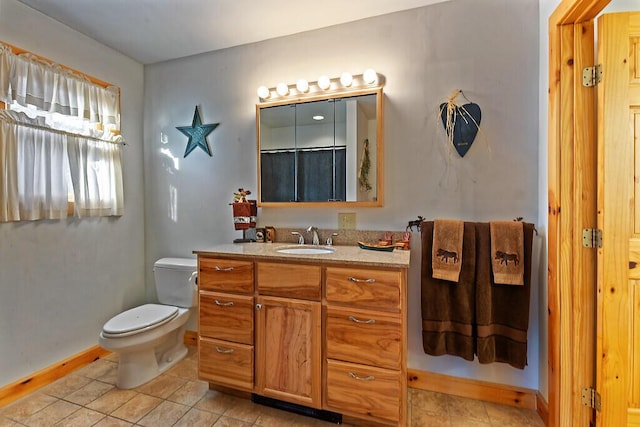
point(149, 339)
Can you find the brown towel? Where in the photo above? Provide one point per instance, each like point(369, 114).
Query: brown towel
point(507, 250)
point(448, 310)
point(446, 254)
point(502, 311)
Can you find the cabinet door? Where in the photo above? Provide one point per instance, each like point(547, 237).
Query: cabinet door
point(288, 359)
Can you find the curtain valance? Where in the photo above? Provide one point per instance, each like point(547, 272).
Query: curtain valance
point(29, 80)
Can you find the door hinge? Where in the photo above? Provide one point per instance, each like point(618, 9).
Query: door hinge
point(591, 238)
point(591, 398)
point(591, 76)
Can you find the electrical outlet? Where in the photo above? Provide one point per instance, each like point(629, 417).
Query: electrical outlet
point(347, 220)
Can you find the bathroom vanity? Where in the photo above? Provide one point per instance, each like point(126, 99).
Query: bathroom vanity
point(325, 331)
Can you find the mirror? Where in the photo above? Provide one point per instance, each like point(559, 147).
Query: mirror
point(321, 150)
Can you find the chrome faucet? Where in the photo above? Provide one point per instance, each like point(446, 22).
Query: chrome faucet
point(314, 230)
point(300, 237)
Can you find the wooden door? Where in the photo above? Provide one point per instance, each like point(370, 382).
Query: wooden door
point(618, 317)
point(288, 346)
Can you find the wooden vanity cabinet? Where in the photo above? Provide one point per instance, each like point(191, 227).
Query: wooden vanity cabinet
point(329, 337)
point(226, 322)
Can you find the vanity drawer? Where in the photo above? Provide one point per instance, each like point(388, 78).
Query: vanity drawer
point(364, 287)
point(363, 336)
point(289, 280)
point(226, 363)
point(225, 275)
point(378, 390)
point(226, 316)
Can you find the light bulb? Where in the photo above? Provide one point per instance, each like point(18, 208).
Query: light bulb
point(302, 86)
point(370, 76)
point(346, 79)
point(264, 92)
point(324, 83)
point(282, 89)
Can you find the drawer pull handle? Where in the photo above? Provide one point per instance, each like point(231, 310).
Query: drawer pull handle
point(224, 350)
point(355, 279)
point(356, 377)
point(224, 268)
point(224, 304)
point(368, 322)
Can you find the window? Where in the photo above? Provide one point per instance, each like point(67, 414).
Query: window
point(59, 141)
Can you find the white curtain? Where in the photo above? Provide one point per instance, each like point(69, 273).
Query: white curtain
point(35, 166)
point(9, 200)
point(96, 173)
point(28, 80)
point(42, 167)
point(43, 154)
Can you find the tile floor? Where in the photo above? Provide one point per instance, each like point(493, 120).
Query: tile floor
point(88, 397)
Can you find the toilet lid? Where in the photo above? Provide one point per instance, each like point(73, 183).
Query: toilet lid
point(140, 318)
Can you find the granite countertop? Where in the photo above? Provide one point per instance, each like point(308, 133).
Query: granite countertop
point(342, 255)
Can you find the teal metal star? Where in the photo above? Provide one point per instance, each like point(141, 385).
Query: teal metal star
point(197, 134)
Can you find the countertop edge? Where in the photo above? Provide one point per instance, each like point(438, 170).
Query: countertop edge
point(344, 255)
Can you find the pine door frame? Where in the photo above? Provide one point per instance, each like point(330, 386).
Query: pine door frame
point(572, 181)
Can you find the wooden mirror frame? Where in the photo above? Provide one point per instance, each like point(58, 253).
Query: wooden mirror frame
point(379, 179)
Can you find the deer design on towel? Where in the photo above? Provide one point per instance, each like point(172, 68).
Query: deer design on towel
point(445, 256)
point(505, 258)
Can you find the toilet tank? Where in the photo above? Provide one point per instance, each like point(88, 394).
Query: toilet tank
point(175, 280)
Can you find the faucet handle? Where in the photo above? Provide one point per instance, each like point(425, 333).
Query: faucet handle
point(330, 239)
point(300, 237)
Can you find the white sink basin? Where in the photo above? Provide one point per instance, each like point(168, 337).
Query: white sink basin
point(306, 250)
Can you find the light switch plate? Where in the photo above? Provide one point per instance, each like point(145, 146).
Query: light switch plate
point(347, 220)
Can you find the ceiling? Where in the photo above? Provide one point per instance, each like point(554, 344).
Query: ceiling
point(150, 31)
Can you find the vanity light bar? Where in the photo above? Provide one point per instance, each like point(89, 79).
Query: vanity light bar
point(324, 83)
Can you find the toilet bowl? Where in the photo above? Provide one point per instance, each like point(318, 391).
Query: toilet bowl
point(149, 339)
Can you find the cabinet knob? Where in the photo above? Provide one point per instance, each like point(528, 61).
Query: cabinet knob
point(258, 306)
point(224, 268)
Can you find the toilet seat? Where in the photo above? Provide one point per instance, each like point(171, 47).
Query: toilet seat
point(139, 319)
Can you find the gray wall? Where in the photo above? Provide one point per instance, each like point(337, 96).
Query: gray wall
point(61, 280)
point(488, 49)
